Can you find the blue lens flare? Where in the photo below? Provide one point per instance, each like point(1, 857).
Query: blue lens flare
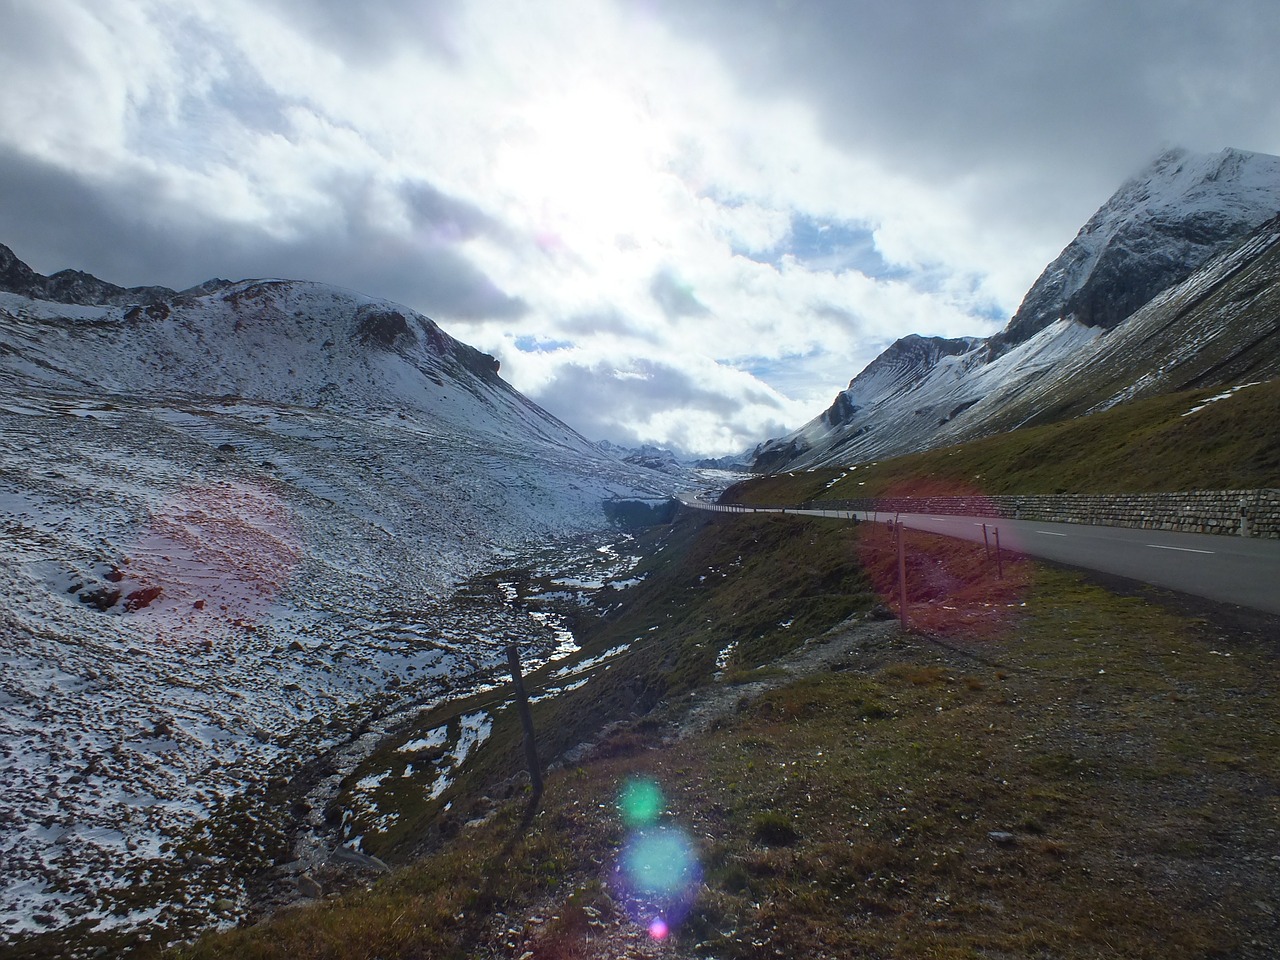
point(660, 862)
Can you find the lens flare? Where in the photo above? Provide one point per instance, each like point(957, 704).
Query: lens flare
point(641, 803)
point(657, 874)
point(212, 560)
point(963, 590)
point(657, 877)
point(659, 863)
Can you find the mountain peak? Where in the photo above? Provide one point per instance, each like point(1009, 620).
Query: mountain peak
point(1158, 227)
point(1139, 271)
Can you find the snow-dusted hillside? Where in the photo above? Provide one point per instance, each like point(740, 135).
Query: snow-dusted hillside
point(1158, 229)
point(234, 520)
point(1216, 328)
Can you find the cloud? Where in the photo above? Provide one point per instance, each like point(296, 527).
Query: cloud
point(123, 237)
point(674, 297)
point(610, 323)
point(997, 97)
point(740, 202)
point(706, 409)
point(374, 29)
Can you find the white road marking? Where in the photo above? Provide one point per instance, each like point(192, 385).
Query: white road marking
point(1161, 546)
point(1050, 533)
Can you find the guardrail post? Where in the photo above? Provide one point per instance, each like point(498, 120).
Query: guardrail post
point(986, 544)
point(999, 560)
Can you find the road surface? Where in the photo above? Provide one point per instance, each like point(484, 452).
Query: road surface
point(1238, 570)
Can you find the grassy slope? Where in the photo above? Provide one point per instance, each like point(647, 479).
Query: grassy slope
point(1140, 447)
point(1132, 757)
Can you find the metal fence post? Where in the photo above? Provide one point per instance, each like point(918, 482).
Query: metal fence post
point(902, 577)
point(526, 721)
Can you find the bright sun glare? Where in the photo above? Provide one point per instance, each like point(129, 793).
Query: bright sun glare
point(589, 171)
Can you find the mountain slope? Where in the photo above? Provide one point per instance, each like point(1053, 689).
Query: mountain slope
point(1157, 230)
point(1219, 327)
point(235, 521)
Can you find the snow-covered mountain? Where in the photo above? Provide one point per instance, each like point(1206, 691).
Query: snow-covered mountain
point(235, 518)
point(1160, 225)
point(1183, 214)
point(647, 456)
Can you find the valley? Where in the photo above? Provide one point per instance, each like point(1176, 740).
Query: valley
point(1037, 757)
point(268, 542)
point(307, 566)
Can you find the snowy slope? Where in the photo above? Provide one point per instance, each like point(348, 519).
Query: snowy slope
point(303, 344)
point(913, 412)
point(234, 522)
point(1158, 229)
point(1218, 327)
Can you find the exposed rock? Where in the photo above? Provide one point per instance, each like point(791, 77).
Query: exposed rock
point(139, 599)
point(387, 329)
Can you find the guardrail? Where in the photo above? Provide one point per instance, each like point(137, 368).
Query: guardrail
point(1250, 513)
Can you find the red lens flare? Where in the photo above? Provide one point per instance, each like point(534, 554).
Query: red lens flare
point(962, 588)
point(212, 557)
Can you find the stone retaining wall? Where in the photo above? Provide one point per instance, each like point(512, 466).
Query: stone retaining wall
point(1253, 513)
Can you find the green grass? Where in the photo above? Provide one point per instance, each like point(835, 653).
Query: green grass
point(1141, 447)
point(1126, 760)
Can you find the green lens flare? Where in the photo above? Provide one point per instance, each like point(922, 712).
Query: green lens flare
point(640, 803)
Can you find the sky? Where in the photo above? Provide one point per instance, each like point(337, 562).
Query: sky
point(681, 223)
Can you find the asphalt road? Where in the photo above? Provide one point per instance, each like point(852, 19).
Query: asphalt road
point(1239, 570)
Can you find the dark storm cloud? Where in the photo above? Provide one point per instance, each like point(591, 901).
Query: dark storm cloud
point(1014, 89)
point(53, 219)
point(602, 400)
point(675, 297)
point(446, 219)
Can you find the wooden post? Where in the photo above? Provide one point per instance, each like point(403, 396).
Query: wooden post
point(902, 579)
point(526, 721)
point(999, 559)
point(986, 544)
